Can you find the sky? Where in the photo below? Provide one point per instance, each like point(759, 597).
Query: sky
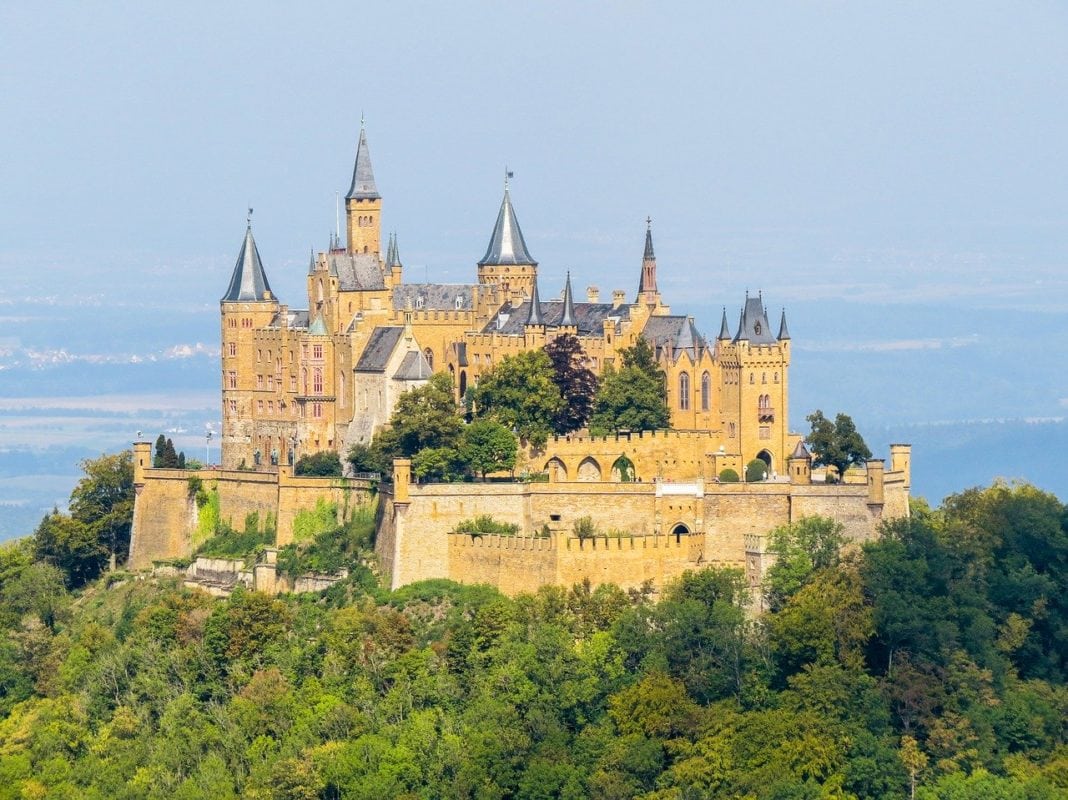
point(894, 174)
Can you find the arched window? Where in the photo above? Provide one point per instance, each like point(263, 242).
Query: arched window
point(304, 380)
point(752, 378)
point(317, 381)
point(706, 391)
point(320, 291)
point(684, 391)
point(341, 389)
point(776, 377)
point(428, 354)
point(463, 383)
point(459, 302)
point(763, 377)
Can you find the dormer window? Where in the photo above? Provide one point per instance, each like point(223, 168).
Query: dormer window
point(459, 301)
point(419, 302)
point(756, 328)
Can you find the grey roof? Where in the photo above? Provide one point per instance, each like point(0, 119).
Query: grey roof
point(435, 296)
point(589, 317)
point(460, 348)
point(311, 261)
point(754, 326)
point(249, 282)
point(678, 331)
point(356, 272)
point(534, 313)
point(296, 319)
point(363, 177)
point(318, 327)
point(800, 451)
point(379, 348)
point(568, 315)
point(724, 329)
point(414, 367)
point(393, 254)
point(506, 245)
point(649, 255)
point(784, 333)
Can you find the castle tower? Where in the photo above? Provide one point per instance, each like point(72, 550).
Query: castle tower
point(647, 291)
point(247, 307)
point(507, 262)
point(363, 204)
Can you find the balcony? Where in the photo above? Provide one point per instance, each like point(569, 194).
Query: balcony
point(766, 414)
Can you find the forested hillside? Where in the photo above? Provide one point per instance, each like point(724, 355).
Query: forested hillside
point(930, 663)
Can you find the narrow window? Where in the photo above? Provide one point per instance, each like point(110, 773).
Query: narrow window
point(684, 391)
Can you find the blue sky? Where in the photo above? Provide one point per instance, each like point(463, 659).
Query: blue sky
point(893, 174)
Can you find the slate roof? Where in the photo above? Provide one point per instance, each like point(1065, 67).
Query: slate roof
point(379, 348)
point(589, 317)
point(249, 282)
point(678, 331)
point(318, 327)
point(506, 245)
point(413, 367)
point(357, 272)
point(363, 177)
point(434, 296)
point(295, 319)
point(724, 329)
point(784, 333)
point(568, 316)
point(753, 325)
point(800, 451)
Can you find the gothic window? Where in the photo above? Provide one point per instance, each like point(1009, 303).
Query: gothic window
point(259, 381)
point(317, 410)
point(732, 430)
point(776, 377)
point(259, 406)
point(706, 391)
point(317, 381)
point(270, 406)
point(684, 391)
point(428, 354)
point(233, 348)
point(317, 351)
point(231, 379)
point(763, 377)
point(233, 406)
point(270, 383)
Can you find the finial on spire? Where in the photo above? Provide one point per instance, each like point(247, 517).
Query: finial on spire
point(567, 318)
point(648, 223)
point(361, 119)
point(507, 174)
point(248, 219)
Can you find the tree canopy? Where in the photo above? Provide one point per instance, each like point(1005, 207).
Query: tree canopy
point(633, 397)
point(575, 381)
point(520, 392)
point(835, 444)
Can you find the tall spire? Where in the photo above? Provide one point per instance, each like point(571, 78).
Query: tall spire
point(506, 245)
point(724, 330)
point(248, 283)
point(363, 177)
point(647, 291)
point(783, 332)
point(568, 319)
point(535, 317)
point(393, 257)
point(389, 252)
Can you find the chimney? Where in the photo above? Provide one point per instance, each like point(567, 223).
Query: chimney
point(619, 297)
point(593, 294)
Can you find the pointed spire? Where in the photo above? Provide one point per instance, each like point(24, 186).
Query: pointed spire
point(568, 319)
point(506, 245)
point(741, 323)
point(311, 260)
point(724, 329)
point(783, 332)
point(647, 291)
point(393, 258)
point(800, 451)
point(389, 251)
point(249, 281)
point(535, 317)
point(363, 177)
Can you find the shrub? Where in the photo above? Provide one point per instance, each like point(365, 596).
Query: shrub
point(584, 528)
point(484, 523)
point(756, 471)
point(728, 475)
point(325, 463)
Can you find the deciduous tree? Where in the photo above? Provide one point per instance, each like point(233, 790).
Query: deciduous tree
point(576, 382)
point(521, 394)
point(836, 444)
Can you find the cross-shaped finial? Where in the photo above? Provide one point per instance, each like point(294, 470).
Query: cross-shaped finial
point(361, 119)
point(649, 223)
point(248, 219)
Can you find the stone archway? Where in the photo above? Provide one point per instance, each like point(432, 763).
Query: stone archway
point(623, 470)
point(554, 464)
point(679, 531)
point(765, 456)
point(589, 470)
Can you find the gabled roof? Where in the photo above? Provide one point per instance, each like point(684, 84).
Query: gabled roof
point(248, 284)
point(414, 367)
point(506, 245)
point(356, 272)
point(678, 331)
point(589, 317)
point(754, 326)
point(379, 348)
point(435, 296)
point(363, 177)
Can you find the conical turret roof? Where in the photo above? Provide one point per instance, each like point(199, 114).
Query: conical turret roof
point(535, 317)
point(724, 329)
point(249, 283)
point(784, 333)
point(568, 318)
point(506, 245)
point(363, 177)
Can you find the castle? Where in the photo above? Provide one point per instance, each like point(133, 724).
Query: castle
point(296, 382)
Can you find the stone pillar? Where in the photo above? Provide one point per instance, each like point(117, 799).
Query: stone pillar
point(876, 471)
point(142, 460)
point(402, 479)
point(901, 461)
point(800, 470)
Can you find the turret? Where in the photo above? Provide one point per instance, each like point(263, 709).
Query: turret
point(568, 318)
point(507, 261)
point(363, 204)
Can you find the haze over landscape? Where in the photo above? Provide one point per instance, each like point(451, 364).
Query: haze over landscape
point(894, 177)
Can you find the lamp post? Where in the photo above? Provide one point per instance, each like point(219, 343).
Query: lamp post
point(207, 447)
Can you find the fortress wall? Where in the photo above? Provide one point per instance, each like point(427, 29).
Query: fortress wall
point(733, 510)
point(514, 564)
point(844, 503)
point(242, 493)
point(627, 562)
point(296, 494)
point(164, 518)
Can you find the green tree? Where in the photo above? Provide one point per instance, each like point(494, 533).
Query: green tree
point(800, 549)
point(160, 451)
point(836, 444)
point(103, 501)
point(325, 463)
point(521, 394)
point(424, 417)
point(633, 397)
point(438, 464)
point(488, 446)
point(756, 471)
point(70, 546)
point(576, 382)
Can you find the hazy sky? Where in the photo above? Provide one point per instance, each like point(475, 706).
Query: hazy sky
point(882, 151)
